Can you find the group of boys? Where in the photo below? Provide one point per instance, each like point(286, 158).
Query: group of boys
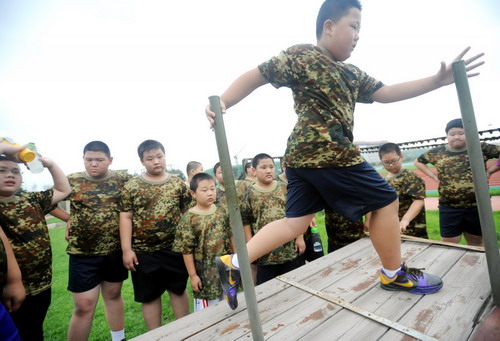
point(324, 170)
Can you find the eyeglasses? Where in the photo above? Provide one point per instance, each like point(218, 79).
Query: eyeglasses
point(14, 171)
point(391, 162)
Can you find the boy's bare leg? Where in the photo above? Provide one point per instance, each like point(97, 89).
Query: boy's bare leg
point(83, 314)
point(179, 304)
point(113, 305)
point(276, 234)
point(385, 235)
point(473, 240)
point(151, 311)
point(455, 239)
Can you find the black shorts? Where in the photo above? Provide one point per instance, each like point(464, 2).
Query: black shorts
point(268, 272)
point(455, 221)
point(87, 272)
point(352, 191)
point(30, 316)
point(156, 272)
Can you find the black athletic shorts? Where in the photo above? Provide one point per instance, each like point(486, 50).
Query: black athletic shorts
point(455, 221)
point(156, 272)
point(87, 272)
point(352, 191)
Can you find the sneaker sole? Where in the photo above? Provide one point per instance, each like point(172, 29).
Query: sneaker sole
point(417, 291)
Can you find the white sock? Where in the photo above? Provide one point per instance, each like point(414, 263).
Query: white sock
point(234, 261)
point(119, 335)
point(391, 273)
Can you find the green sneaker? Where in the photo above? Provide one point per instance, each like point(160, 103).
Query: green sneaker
point(411, 280)
point(229, 279)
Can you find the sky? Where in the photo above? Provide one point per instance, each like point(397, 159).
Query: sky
point(124, 71)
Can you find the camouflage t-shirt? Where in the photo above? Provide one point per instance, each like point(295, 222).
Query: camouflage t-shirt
point(23, 221)
point(205, 236)
point(95, 209)
point(260, 207)
point(241, 187)
point(340, 230)
point(325, 93)
point(456, 187)
point(410, 187)
point(156, 210)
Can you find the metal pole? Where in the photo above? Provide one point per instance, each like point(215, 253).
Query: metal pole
point(235, 220)
point(479, 176)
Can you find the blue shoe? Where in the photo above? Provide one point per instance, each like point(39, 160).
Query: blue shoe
point(229, 279)
point(411, 280)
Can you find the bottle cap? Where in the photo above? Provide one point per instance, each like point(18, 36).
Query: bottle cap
point(26, 155)
point(314, 229)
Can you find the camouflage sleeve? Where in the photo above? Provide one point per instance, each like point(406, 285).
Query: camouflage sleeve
point(184, 237)
point(367, 86)
point(44, 200)
point(126, 200)
point(416, 188)
point(281, 70)
point(185, 198)
point(490, 151)
point(246, 210)
point(424, 158)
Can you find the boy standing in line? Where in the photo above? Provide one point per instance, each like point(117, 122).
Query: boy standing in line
point(410, 188)
point(341, 231)
point(458, 212)
point(152, 205)
point(193, 168)
point(263, 203)
point(95, 257)
point(323, 164)
point(204, 233)
point(23, 221)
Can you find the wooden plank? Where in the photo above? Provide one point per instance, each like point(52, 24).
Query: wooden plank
point(451, 314)
point(390, 304)
point(350, 278)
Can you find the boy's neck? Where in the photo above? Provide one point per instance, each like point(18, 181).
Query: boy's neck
point(203, 209)
point(156, 178)
point(262, 185)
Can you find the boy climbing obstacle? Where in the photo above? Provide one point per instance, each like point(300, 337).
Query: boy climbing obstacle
point(324, 167)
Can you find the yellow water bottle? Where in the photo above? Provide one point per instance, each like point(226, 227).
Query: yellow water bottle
point(25, 155)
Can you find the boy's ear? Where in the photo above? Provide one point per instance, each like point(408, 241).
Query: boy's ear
point(193, 194)
point(328, 26)
point(110, 160)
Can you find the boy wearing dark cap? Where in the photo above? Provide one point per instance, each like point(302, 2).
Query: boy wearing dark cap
point(457, 201)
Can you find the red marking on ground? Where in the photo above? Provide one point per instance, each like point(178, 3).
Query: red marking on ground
point(318, 314)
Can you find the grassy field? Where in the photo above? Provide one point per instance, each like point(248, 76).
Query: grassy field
point(57, 320)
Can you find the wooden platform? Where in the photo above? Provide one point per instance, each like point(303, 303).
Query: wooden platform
point(352, 274)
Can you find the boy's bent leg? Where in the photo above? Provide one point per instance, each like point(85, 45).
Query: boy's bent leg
point(276, 234)
point(473, 239)
point(151, 311)
point(113, 305)
point(385, 235)
point(83, 314)
point(179, 304)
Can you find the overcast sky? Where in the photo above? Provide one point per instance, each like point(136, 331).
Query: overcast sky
point(125, 71)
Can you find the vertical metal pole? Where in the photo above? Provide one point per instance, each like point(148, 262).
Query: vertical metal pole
point(479, 176)
point(235, 220)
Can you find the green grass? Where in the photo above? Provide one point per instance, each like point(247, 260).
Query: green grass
point(57, 321)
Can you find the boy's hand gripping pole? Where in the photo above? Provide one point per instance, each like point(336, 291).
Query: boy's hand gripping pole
point(235, 219)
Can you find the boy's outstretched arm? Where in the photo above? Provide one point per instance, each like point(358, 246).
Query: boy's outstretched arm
point(243, 86)
point(402, 91)
point(61, 184)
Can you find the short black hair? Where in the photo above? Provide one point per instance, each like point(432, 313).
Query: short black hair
point(97, 146)
point(387, 148)
point(148, 145)
point(456, 123)
point(193, 184)
point(217, 165)
point(192, 165)
point(6, 158)
point(256, 159)
point(334, 10)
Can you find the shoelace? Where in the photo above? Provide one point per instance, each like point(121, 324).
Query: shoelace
point(414, 272)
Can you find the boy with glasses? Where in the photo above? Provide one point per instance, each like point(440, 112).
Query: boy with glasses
point(22, 217)
point(410, 188)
